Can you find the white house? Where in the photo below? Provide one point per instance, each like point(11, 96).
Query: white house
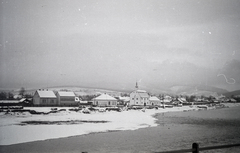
point(105, 100)
point(44, 98)
point(123, 100)
point(66, 98)
point(139, 97)
point(167, 99)
point(154, 100)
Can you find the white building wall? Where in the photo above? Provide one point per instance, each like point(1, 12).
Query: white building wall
point(136, 99)
point(48, 101)
point(36, 99)
point(67, 101)
point(105, 102)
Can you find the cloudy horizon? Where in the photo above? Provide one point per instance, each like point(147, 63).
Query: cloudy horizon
point(113, 44)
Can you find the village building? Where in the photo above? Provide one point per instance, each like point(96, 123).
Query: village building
point(155, 101)
point(66, 98)
point(105, 100)
point(183, 101)
point(231, 100)
point(26, 101)
point(167, 99)
point(44, 98)
point(9, 102)
point(139, 97)
point(123, 100)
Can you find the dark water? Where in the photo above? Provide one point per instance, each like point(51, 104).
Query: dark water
point(208, 128)
point(174, 131)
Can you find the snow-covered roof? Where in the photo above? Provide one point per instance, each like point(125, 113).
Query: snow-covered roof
point(124, 98)
point(182, 99)
point(143, 94)
point(22, 100)
point(142, 91)
point(46, 94)
point(66, 94)
point(9, 101)
point(154, 98)
point(167, 97)
point(105, 97)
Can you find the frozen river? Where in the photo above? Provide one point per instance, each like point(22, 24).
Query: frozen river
point(173, 131)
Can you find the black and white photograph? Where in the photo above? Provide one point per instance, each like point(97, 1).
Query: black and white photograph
point(119, 76)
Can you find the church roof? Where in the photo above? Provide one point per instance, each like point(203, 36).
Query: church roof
point(141, 91)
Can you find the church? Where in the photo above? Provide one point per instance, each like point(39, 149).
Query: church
point(139, 97)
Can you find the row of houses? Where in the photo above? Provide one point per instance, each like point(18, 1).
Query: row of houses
point(49, 98)
point(142, 98)
point(67, 98)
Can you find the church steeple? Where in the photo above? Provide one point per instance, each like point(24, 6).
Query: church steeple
point(136, 85)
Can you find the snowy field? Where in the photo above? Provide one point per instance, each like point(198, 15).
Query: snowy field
point(25, 127)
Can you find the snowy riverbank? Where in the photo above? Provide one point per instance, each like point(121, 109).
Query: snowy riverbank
point(24, 127)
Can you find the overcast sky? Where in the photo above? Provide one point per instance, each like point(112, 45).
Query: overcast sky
point(113, 44)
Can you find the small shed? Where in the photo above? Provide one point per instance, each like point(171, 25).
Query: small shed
point(26, 101)
point(105, 100)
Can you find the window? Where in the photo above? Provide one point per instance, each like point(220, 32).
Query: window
point(132, 98)
point(109, 103)
point(136, 98)
point(44, 101)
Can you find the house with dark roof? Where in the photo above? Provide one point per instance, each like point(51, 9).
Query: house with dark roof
point(105, 100)
point(44, 98)
point(66, 98)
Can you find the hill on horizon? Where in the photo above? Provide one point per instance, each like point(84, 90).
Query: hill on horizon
point(197, 90)
point(189, 90)
point(229, 94)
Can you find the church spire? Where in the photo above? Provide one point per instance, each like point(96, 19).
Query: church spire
point(136, 85)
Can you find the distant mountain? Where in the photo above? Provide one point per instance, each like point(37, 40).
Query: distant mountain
point(197, 90)
point(229, 94)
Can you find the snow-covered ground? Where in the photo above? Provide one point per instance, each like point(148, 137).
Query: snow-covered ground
point(13, 131)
